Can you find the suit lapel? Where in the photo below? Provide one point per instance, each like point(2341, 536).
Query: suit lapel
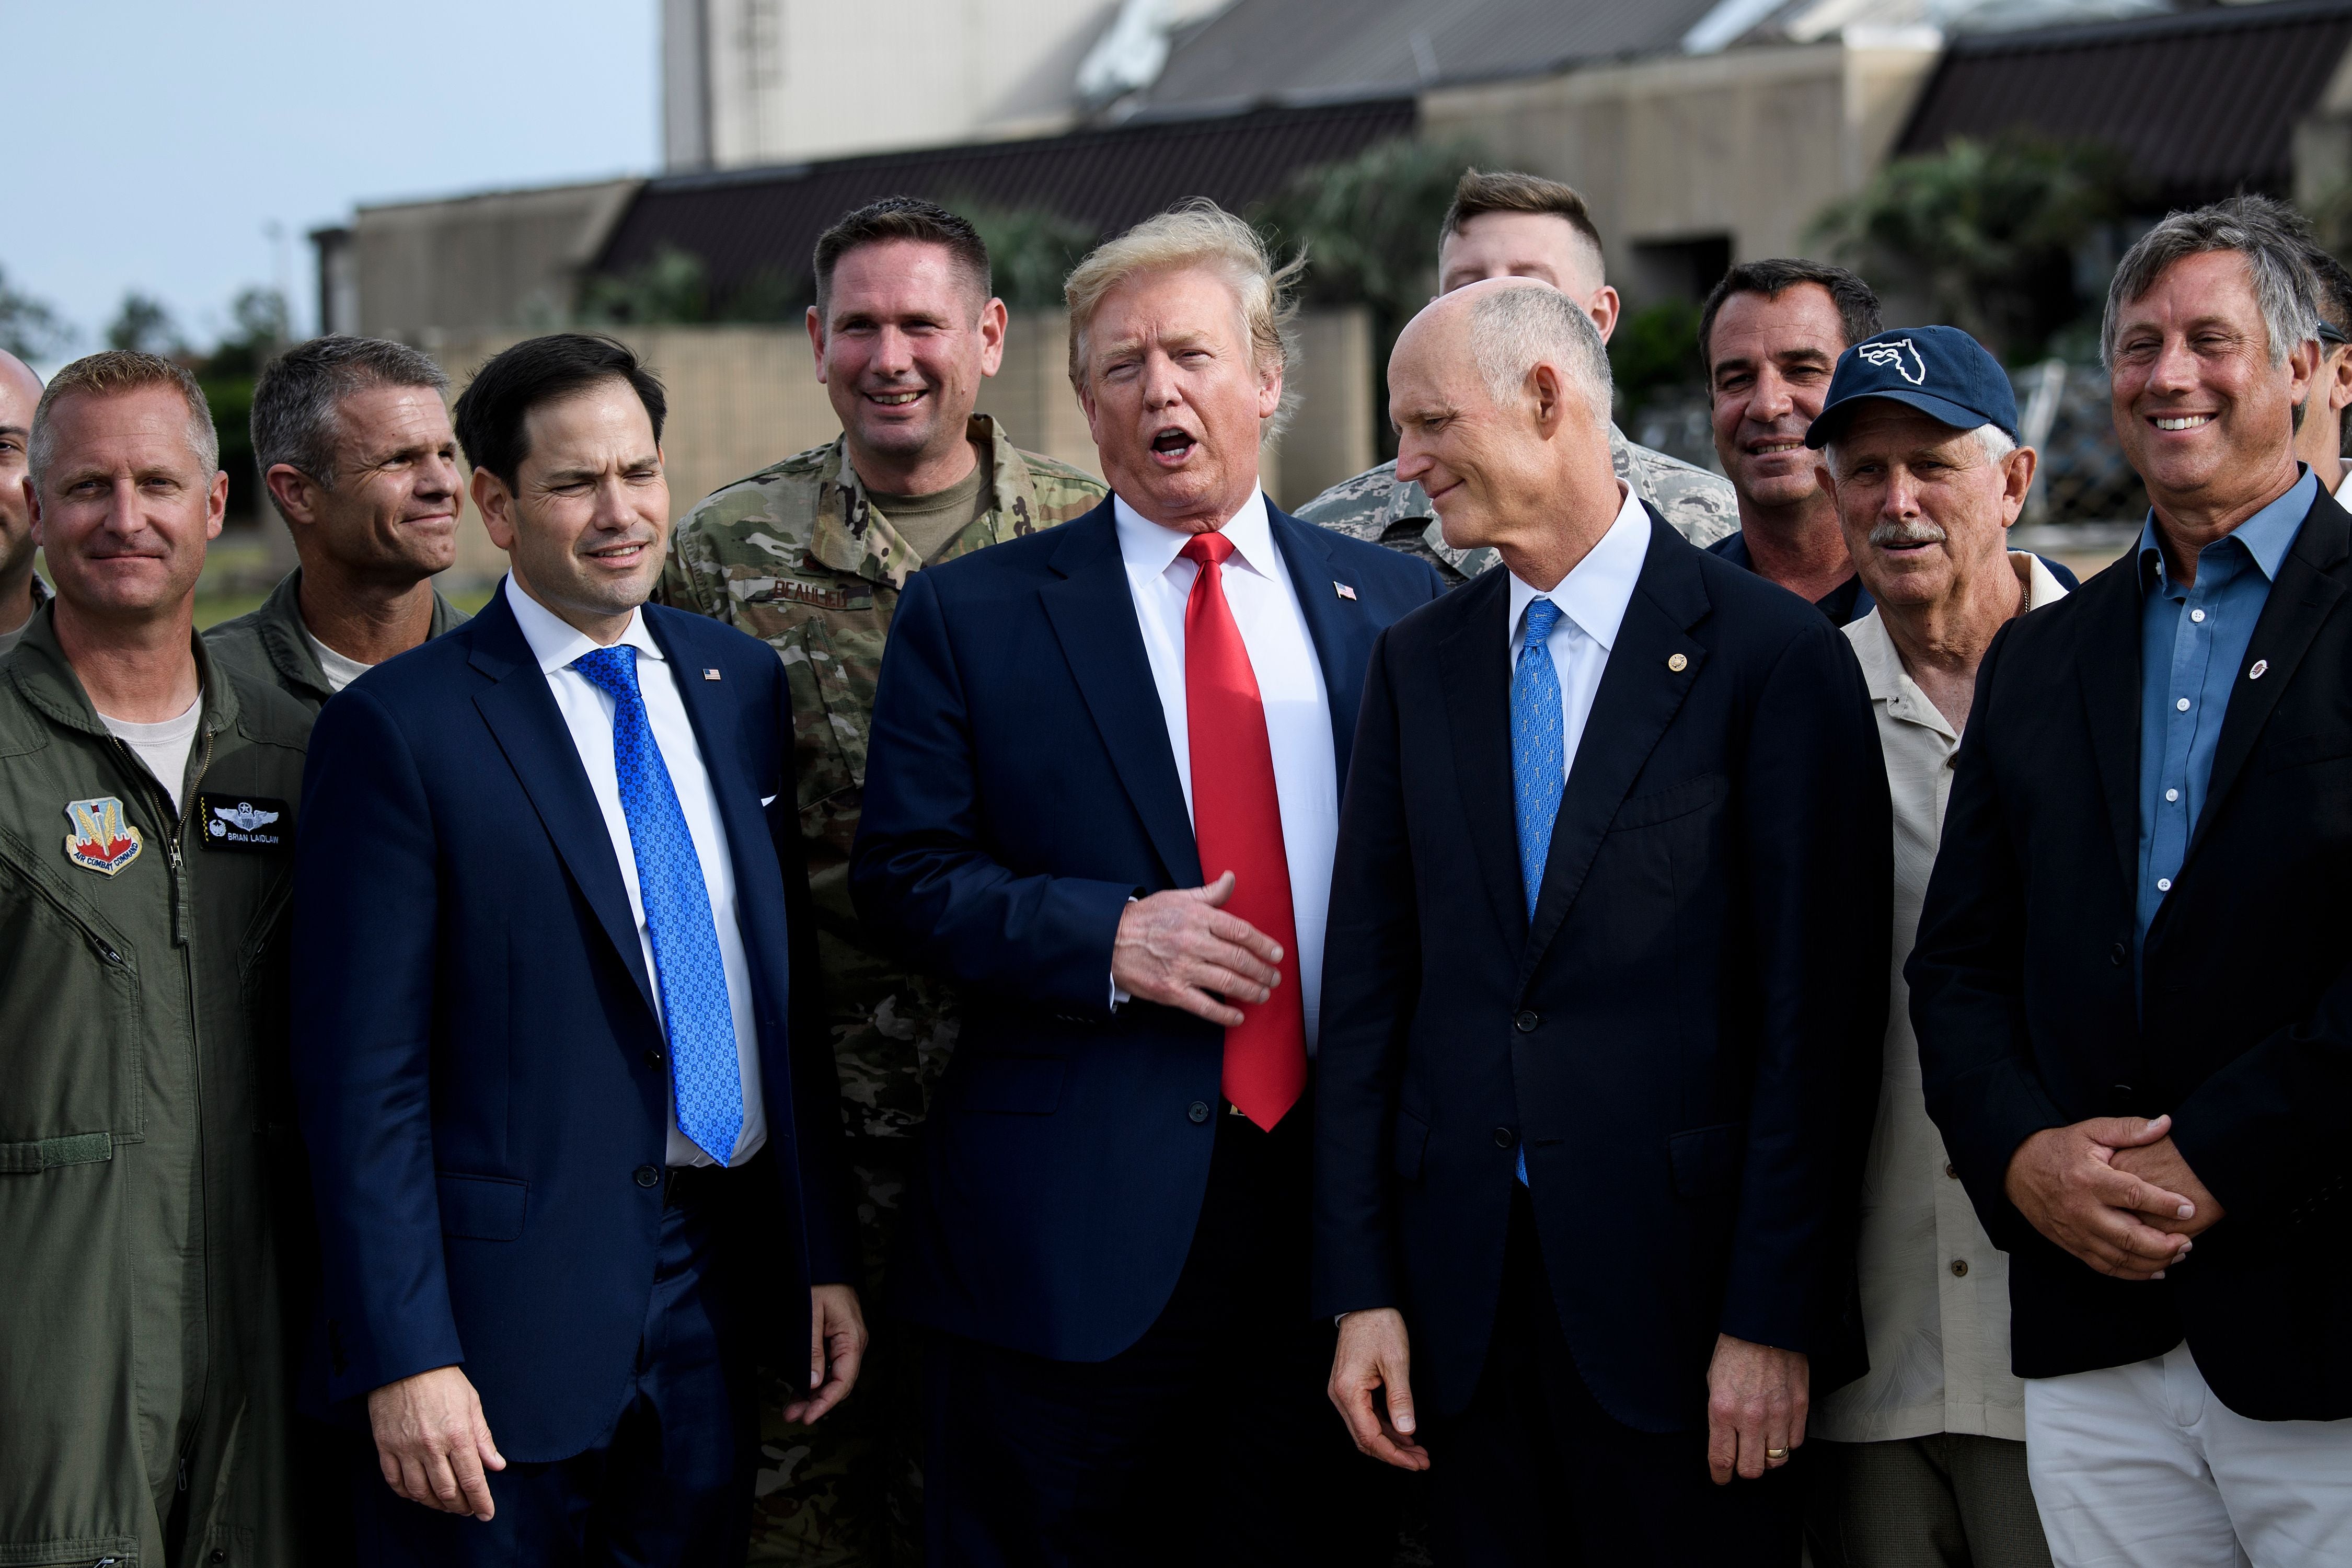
point(2308, 588)
point(1093, 616)
point(1339, 628)
point(1474, 661)
point(523, 718)
point(2109, 667)
point(1638, 698)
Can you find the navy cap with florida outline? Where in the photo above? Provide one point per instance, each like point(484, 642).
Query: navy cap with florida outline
point(1940, 371)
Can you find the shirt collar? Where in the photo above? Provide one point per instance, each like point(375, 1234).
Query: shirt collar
point(2266, 537)
point(555, 642)
point(1145, 543)
point(1882, 663)
point(1597, 589)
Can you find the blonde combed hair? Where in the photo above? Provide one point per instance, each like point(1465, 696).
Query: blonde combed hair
point(1197, 234)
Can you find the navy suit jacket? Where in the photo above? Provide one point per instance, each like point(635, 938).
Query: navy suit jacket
point(479, 1065)
point(2240, 1027)
point(1685, 1037)
point(1019, 791)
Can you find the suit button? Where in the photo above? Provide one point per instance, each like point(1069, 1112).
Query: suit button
point(647, 1176)
point(1199, 1111)
point(2115, 955)
point(1960, 1267)
point(1950, 1172)
point(654, 1059)
point(1504, 1138)
point(1526, 1022)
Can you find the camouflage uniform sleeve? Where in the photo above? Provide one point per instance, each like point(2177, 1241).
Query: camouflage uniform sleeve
point(1375, 508)
point(1698, 503)
point(684, 582)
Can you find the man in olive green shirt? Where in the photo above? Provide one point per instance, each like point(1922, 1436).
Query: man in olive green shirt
point(147, 803)
point(353, 442)
point(810, 555)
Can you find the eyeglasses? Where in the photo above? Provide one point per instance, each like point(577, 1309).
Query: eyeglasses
point(2331, 333)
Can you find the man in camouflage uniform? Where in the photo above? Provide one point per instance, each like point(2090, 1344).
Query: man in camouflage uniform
point(1517, 226)
point(810, 556)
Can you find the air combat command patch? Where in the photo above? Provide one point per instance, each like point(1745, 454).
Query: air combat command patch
point(101, 841)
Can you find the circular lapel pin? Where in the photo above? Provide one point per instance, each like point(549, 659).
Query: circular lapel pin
point(2256, 673)
point(1677, 663)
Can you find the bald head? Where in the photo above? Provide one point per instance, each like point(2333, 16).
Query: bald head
point(1500, 392)
point(20, 393)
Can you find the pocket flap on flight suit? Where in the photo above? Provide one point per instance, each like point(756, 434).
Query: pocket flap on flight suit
point(484, 1208)
point(49, 1154)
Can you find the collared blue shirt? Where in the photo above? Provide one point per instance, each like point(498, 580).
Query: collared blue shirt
point(2193, 642)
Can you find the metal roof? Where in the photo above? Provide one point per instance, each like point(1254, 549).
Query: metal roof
point(2202, 103)
point(1280, 51)
point(744, 222)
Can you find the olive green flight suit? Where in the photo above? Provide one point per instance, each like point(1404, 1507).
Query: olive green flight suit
point(143, 1386)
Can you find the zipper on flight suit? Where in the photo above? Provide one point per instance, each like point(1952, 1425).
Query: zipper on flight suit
point(182, 938)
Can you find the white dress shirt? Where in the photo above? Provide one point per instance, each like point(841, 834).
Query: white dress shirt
point(1935, 1290)
point(1265, 604)
point(1591, 599)
point(588, 714)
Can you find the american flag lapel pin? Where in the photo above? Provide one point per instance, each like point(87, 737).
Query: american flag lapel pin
point(1343, 590)
point(709, 675)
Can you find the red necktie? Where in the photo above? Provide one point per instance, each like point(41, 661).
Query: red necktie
point(1237, 822)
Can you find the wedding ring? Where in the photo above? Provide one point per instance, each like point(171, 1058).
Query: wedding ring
point(1776, 1453)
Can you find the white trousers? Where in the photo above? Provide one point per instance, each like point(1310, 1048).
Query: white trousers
point(2142, 1467)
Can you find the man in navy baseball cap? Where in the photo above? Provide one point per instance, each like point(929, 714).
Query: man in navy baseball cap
point(1940, 371)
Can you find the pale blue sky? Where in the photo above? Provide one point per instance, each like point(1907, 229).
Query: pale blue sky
point(153, 141)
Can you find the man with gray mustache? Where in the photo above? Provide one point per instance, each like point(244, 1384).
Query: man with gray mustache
point(1923, 1458)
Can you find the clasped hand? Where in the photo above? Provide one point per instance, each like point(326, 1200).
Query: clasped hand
point(1182, 949)
point(2113, 1191)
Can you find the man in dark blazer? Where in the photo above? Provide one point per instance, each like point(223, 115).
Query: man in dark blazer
point(571, 1125)
point(1101, 794)
point(1607, 969)
point(2131, 984)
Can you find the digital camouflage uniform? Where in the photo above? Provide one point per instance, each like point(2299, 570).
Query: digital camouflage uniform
point(1698, 504)
point(798, 556)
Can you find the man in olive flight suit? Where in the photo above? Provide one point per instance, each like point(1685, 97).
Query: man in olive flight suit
point(147, 801)
point(810, 556)
point(354, 447)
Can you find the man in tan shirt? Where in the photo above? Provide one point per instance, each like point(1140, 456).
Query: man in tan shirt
point(1923, 1459)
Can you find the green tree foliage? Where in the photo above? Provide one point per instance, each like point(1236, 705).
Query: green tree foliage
point(1986, 230)
point(1369, 226)
point(29, 328)
point(1653, 350)
point(145, 323)
point(1030, 251)
point(673, 290)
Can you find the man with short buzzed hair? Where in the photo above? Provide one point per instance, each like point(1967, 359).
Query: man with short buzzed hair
point(1507, 225)
point(21, 591)
point(354, 445)
point(147, 810)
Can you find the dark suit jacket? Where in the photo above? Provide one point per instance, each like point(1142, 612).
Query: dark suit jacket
point(1684, 1038)
point(1019, 791)
point(2022, 982)
point(475, 1049)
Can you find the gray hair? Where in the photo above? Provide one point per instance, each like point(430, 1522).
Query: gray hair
point(112, 374)
point(297, 402)
point(1514, 330)
point(1991, 440)
point(2252, 226)
point(1197, 233)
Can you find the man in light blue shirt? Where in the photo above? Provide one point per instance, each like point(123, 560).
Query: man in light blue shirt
point(2193, 638)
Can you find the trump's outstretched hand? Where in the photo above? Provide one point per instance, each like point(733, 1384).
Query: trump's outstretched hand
point(1756, 1400)
point(431, 1442)
point(836, 1349)
point(1181, 949)
point(1375, 1358)
point(2079, 1186)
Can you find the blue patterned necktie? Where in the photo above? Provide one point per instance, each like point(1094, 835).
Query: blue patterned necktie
point(705, 1076)
point(1539, 758)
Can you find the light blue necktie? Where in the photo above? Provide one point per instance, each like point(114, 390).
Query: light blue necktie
point(1539, 758)
point(705, 1076)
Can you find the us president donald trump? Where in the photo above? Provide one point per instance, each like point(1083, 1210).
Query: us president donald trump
point(1102, 794)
